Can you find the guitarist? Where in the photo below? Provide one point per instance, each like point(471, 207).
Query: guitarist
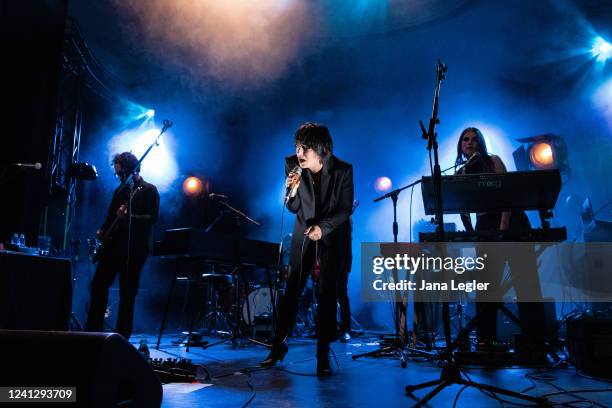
point(113, 259)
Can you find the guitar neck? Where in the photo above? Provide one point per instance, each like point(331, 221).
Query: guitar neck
point(109, 230)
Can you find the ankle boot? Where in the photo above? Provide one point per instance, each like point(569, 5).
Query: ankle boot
point(277, 353)
point(323, 365)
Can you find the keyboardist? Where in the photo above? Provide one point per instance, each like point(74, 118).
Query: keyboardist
point(472, 145)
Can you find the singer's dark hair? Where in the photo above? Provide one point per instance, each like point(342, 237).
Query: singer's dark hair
point(127, 161)
point(482, 145)
point(315, 136)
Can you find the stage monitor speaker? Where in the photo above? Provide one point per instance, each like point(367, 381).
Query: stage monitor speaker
point(105, 369)
point(589, 342)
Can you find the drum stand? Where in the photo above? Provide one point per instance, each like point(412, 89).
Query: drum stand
point(237, 335)
point(215, 321)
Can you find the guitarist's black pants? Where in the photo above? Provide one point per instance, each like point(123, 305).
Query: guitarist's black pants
point(129, 279)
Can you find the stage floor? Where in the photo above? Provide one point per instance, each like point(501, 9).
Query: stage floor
point(366, 382)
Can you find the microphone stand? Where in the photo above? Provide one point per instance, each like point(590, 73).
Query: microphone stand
point(399, 345)
point(399, 305)
point(236, 332)
point(129, 184)
point(451, 372)
point(397, 348)
point(396, 192)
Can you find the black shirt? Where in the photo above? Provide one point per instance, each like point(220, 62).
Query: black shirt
point(316, 185)
point(145, 209)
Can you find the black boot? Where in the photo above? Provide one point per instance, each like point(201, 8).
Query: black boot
point(323, 366)
point(277, 353)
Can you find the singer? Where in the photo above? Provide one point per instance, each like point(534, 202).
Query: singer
point(531, 315)
point(322, 203)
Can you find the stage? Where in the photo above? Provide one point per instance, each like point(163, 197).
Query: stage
point(437, 171)
point(366, 382)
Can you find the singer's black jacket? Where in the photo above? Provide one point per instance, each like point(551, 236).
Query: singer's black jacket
point(337, 191)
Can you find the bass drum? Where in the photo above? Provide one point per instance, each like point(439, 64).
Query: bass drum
point(258, 303)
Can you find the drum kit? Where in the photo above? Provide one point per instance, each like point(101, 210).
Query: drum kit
point(256, 307)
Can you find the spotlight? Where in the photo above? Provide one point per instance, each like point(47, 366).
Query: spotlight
point(542, 152)
point(160, 166)
point(541, 155)
point(150, 113)
point(83, 171)
point(382, 184)
point(192, 186)
point(601, 49)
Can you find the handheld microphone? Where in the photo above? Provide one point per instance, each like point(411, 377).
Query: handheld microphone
point(36, 166)
point(294, 186)
point(215, 196)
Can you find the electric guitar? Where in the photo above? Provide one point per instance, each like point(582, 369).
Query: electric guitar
point(101, 243)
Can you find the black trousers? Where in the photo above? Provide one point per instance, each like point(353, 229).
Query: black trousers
point(343, 300)
point(531, 314)
point(129, 278)
point(325, 319)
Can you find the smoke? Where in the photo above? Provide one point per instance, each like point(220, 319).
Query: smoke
point(243, 44)
point(603, 101)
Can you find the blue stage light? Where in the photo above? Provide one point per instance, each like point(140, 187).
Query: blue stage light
point(601, 49)
point(150, 113)
point(160, 166)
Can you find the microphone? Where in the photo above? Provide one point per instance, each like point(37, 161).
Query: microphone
point(167, 125)
point(475, 156)
point(219, 197)
point(294, 186)
point(36, 166)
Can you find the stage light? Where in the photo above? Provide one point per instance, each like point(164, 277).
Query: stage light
point(382, 184)
point(150, 113)
point(159, 167)
point(83, 171)
point(542, 152)
point(601, 49)
point(541, 155)
point(192, 186)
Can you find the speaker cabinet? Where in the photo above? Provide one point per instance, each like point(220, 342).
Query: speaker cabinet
point(105, 368)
